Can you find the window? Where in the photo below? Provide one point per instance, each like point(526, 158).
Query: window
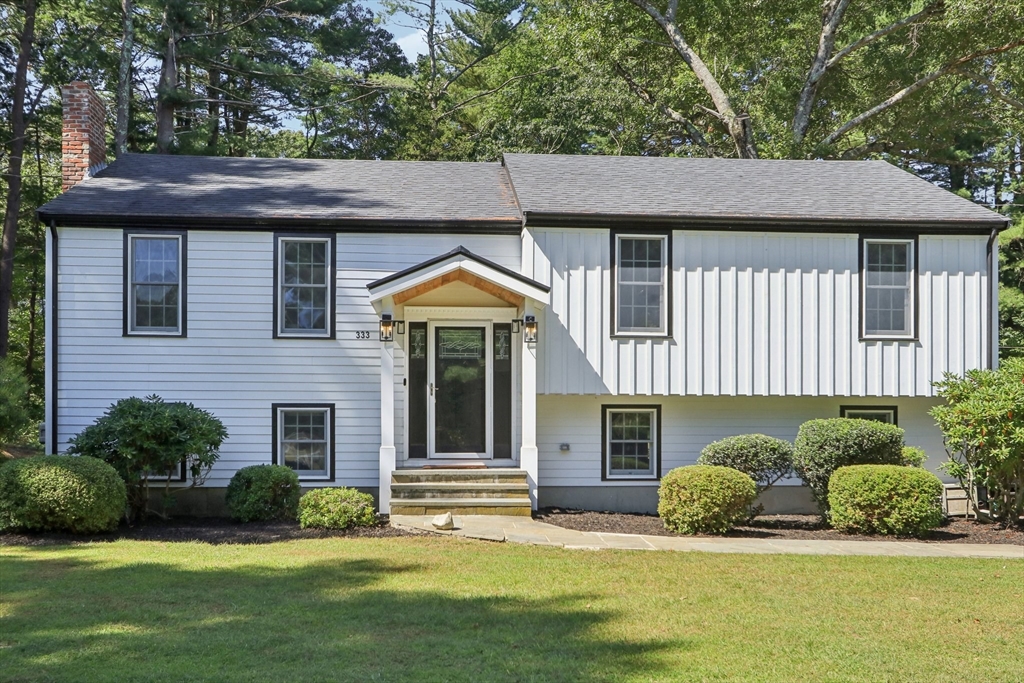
point(305, 297)
point(154, 284)
point(641, 285)
point(304, 440)
point(885, 414)
point(888, 289)
point(632, 448)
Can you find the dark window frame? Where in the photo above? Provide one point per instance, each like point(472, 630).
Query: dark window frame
point(843, 409)
point(862, 242)
point(669, 278)
point(332, 284)
point(275, 455)
point(126, 284)
point(605, 466)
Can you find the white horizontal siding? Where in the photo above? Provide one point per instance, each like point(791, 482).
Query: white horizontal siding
point(229, 364)
point(756, 314)
point(690, 423)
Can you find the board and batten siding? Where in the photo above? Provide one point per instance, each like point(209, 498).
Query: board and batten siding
point(229, 364)
point(756, 314)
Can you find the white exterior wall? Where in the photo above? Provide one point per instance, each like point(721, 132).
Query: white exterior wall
point(756, 314)
point(690, 423)
point(229, 364)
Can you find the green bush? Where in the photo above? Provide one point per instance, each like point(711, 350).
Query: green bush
point(764, 459)
point(885, 499)
point(14, 415)
point(336, 508)
point(823, 446)
point(260, 493)
point(705, 499)
point(148, 438)
point(914, 456)
point(81, 495)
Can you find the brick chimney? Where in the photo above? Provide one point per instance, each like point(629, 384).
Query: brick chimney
point(84, 140)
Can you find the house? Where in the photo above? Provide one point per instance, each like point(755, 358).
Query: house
point(547, 330)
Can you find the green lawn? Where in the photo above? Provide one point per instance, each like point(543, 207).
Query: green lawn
point(442, 609)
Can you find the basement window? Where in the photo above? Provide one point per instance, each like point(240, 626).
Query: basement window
point(632, 448)
point(304, 440)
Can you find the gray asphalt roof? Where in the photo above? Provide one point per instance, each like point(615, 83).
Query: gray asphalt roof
point(150, 185)
point(863, 191)
point(242, 191)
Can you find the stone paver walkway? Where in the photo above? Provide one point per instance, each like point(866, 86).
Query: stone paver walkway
point(526, 530)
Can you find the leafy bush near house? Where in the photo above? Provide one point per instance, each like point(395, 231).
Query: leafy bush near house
point(823, 446)
point(982, 422)
point(885, 499)
point(261, 493)
point(81, 495)
point(336, 508)
point(14, 415)
point(705, 499)
point(148, 439)
point(914, 456)
point(764, 459)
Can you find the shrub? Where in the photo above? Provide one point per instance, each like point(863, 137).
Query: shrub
point(823, 446)
point(914, 456)
point(148, 438)
point(885, 499)
point(14, 416)
point(60, 493)
point(704, 498)
point(263, 492)
point(982, 422)
point(764, 459)
point(336, 508)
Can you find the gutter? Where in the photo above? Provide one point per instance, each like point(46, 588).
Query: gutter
point(993, 297)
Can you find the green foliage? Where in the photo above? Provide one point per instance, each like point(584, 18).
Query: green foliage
point(261, 493)
point(764, 459)
point(704, 499)
point(148, 438)
point(14, 415)
point(982, 421)
point(80, 495)
point(336, 508)
point(914, 456)
point(823, 446)
point(884, 499)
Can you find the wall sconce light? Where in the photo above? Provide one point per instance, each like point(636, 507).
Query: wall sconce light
point(530, 329)
point(388, 327)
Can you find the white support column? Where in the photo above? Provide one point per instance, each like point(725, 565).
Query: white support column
point(50, 350)
point(528, 457)
point(387, 421)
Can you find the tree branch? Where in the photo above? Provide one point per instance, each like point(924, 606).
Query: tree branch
point(993, 88)
point(508, 81)
point(934, 8)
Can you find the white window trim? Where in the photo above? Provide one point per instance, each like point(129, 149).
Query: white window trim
point(329, 322)
point(133, 329)
point(853, 412)
point(912, 271)
point(325, 475)
point(665, 273)
point(646, 476)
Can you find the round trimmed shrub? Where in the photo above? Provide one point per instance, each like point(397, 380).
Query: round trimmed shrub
point(885, 499)
point(78, 494)
point(914, 456)
point(260, 493)
point(336, 508)
point(823, 446)
point(704, 499)
point(764, 459)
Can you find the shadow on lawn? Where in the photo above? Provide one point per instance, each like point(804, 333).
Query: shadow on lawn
point(344, 619)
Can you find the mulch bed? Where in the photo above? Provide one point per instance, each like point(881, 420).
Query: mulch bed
point(803, 527)
point(213, 530)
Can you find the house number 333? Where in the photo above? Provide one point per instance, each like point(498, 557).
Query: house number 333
point(362, 334)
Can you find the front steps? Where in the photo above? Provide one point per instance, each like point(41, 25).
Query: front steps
point(478, 491)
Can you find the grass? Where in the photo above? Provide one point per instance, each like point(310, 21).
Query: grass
point(442, 609)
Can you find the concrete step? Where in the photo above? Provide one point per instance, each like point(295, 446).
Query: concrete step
point(461, 506)
point(459, 489)
point(492, 475)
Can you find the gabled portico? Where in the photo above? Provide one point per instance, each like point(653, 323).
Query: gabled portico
point(456, 347)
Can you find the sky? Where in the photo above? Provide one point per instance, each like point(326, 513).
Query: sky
point(413, 42)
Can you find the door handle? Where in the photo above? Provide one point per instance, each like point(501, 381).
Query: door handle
point(431, 388)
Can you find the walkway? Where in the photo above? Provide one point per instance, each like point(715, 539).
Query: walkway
point(526, 530)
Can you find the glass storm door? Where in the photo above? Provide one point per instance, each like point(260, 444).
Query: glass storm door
point(459, 391)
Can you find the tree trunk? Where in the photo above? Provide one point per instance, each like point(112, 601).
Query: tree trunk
point(832, 16)
point(11, 215)
point(166, 93)
point(124, 79)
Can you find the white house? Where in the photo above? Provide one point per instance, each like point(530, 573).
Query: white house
point(576, 325)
